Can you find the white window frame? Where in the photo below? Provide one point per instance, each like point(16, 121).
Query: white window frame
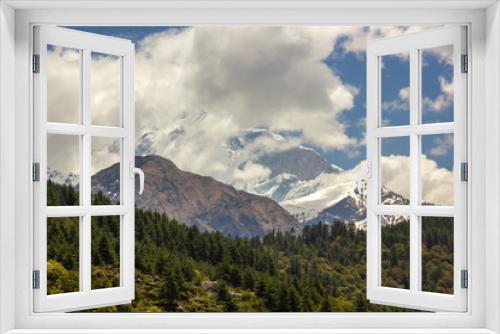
point(124, 50)
point(412, 44)
point(16, 20)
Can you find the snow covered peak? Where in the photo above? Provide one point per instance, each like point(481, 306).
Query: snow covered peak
point(64, 179)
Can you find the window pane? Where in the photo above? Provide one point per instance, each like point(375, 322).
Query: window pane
point(105, 252)
point(63, 84)
point(395, 170)
point(105, 82)
point(395, 89)
point(63, 255)
point(63, 170)
point(436, 168)
point(437, 84)
point(437, 254)
point(105, 164)
point(395, 251)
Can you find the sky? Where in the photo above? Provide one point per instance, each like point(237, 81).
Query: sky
point(198, 87)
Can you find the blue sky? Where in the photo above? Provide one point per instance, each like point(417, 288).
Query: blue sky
point(350, 67)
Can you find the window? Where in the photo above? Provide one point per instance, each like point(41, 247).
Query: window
point(89, 131)
point(481, 126)
point(190, 258)
point(405, 135)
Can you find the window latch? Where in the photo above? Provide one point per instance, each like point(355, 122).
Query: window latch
point(134, 170)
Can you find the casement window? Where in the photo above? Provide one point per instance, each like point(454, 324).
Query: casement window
point(94, 126)
point(412, 130)
point(88, 135)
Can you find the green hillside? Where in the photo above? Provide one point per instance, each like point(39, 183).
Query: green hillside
point(180, 269)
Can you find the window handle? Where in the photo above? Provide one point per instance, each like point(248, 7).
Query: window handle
point(364, 174)
point(134, 170)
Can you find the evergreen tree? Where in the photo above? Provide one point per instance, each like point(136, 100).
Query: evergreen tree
point(225, 297)
point(326, 305)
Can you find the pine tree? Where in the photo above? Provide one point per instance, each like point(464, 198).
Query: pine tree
point(170, 291)
point(326, 305)
point(225, 297)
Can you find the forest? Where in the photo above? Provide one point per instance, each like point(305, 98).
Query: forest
point(181, 269)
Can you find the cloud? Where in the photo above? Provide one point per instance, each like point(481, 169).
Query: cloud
point(105, 90)
point(439, 104)
point(401, 103)
point(248, 175)
point(443, 145)
point(63, 154)
point(270, 77)
point(437, 183)
point(196, 88)
point(239, 78)
point(104, 152)
point(404, 94)
point(443, 54)
point(63, 85)
point(357, 39)
point(443, 100)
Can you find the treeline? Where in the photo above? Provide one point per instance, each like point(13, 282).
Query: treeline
point(181, 269)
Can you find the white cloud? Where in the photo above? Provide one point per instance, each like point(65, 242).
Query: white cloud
point(404, 94)
point(443, 100)
point(63, 85)
point(439, 104)
point(205, 85)
point(239, 78)
point(356, 40)
point(266, 76)
point(443, 145)
point(437, 183)
point(401, 103)
point(248, 175)
point(63, 154)
point(105, 90)
point(443, 54)
point(104, 152)
point(314, 195)
point(396, 174)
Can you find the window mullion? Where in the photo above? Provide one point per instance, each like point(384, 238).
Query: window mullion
point(414, 172)
point(85, 232)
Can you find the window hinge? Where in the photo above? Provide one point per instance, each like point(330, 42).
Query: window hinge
point(465, 63)
point(36, 63)
point(464, 278)
point(36, 172)
point(464, 171)
point(36, 279)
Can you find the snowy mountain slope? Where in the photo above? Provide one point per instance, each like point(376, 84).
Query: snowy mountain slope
point(352, 208)
point(60, 178)
point(304, 183)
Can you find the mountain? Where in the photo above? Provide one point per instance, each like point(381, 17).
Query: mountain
point(289, 163)
point(304, 163)
point(298, 178)
point(200, 200)
point(60, 178)
point(352, 208)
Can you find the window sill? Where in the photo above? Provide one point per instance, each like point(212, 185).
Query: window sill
point(255, 331)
